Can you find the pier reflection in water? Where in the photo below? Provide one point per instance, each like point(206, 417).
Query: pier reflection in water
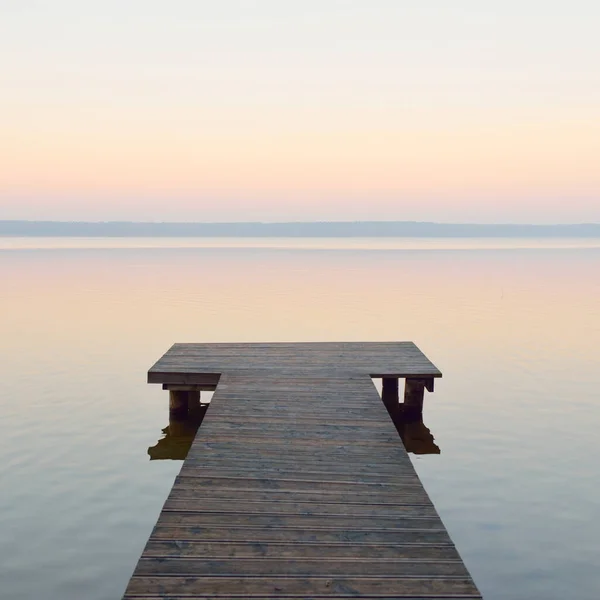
point(416, 436)
point(181, 431)
point(179, 434)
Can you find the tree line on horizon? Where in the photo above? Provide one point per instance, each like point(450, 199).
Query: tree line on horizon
point(292, 229)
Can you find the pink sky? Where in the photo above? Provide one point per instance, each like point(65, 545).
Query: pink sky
point(308, 113)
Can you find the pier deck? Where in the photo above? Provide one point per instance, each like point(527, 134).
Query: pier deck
point(297, 484)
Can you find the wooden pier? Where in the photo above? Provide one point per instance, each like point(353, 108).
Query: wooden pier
point(297, 484)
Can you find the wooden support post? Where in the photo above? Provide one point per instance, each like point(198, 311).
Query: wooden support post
point(185, 420)
point(390, 397)
point(193, 400)
point(196, 410)
point(178, 402)
point(414, 393)
point(179, 426)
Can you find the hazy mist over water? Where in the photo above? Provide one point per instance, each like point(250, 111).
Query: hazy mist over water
point(514, 325)
point(299, 243)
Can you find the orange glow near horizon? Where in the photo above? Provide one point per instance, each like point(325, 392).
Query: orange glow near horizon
point(395, 169)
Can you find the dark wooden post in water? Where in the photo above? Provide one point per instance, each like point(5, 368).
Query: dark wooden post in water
point(178, 402)
point(390, 396)
point(183, 399)
point(193, 400)
point(414, 392)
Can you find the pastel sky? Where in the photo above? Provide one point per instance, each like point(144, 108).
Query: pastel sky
point(231, 110)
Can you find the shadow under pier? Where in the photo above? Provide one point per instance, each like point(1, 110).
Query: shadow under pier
point(187, 414)
point(180, 432)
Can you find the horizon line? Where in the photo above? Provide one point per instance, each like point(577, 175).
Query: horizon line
point(292, 222)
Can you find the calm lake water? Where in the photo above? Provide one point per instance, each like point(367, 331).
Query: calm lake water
point(513, 324)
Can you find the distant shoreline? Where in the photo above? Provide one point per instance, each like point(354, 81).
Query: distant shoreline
point(333, 229)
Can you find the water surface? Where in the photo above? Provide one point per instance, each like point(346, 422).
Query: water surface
point(514, 326)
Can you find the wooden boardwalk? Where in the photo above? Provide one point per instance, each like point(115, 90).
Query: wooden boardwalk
point(297, 484)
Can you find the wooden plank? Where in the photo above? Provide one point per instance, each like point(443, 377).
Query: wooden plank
point(302, 597)
point(347, 455)
point(418, 496)
point(300, 416)
point(190, 567)
point(300, 586)
point(344, 454)
point(207, 549)
point(278, 464)
point(233, 519)
point(198, 469)
point(301, 428)
point(235, 505)
point(293, 484)
point(265, 535)
point(357, 466)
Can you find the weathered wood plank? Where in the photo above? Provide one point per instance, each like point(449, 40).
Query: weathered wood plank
point(298, 585)
point(198, 549)
point(300, 535)
point(301, 429)
point(197, 469)
point(300, 439)
point(302, 597)
point(236, 505)
point(265, 417)
point(417, 496)
point(253, 464)
point(213, 519)
point(300, 484)
point(189, 567)
point(332, 449)
point(276, 496)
